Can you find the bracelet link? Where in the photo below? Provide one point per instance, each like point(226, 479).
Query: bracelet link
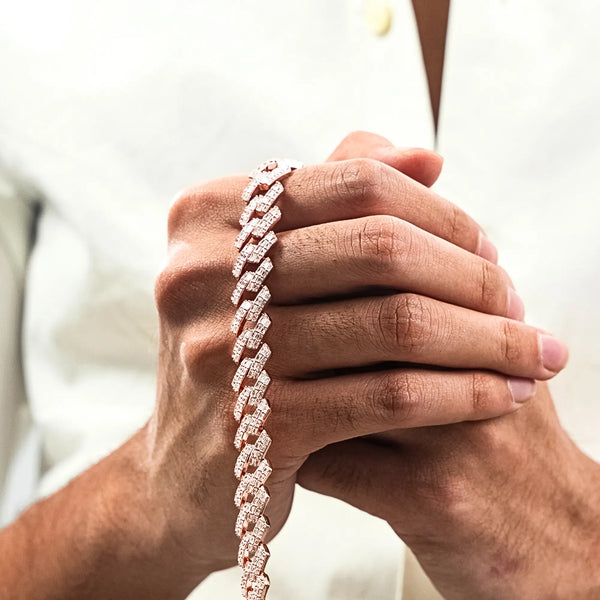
point(250, 324)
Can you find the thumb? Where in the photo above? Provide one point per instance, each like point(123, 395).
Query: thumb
point(366, 475)
point(421, 165)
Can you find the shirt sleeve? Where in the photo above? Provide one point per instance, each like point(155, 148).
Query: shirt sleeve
point(17, 212)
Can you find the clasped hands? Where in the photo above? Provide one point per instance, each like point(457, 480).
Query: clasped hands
point(403, 381)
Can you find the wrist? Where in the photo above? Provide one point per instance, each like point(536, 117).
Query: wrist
point(103, 535)
point(138, 525)
point(129, 535)
point(185, 484)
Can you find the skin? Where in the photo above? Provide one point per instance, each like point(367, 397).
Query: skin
point(499, 509)
point(376, 353)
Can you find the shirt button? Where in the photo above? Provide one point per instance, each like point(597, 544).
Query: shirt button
point(378, 15)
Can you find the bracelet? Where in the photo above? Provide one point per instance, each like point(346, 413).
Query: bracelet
point(251, 497)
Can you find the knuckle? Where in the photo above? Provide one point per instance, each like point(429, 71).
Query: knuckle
point(484, 394)
point(380, 239)
point(455, 496)
point(442, 486)
point(358, 179)
point(356, 136)
point(394, 399)
point(490, 295)
point(491, 438)
point(203, 355)
point(406, 319)
point(458, 225)
point(163, 286)
point(188, 204)
point(511, 350)
point(179, 289)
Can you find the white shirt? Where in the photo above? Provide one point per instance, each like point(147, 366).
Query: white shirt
point(107, 111)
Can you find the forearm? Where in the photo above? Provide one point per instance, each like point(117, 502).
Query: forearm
point(101, 536)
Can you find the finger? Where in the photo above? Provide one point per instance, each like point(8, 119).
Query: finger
point(371, 477)
point(421, 165)
point(358, 255)
point(409, 328)
point(324, 193)
point(362, 187)
point(312, 414)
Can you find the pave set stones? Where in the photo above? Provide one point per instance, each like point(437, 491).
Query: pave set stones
point(252, 540)
point(250, 324)
point(251, 394)
point(251, 367)
point(261, 203)
point(251, 338)
point(252, 454)
point(250, 512)
point(251, 482)
point(249, 310)
point(258, 304)
point(255, 566)
point(251, 424)
point(253, 253)
point(260, 585)
point(261, 226)
point(262, 179)
point(251, 280)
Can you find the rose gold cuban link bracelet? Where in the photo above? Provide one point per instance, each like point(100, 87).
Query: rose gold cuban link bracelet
point(250, 324)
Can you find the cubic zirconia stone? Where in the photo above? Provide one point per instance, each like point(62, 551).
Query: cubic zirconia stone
point(240, 344)
point(255, 566)
point(260, 250)
point(251, 540)
point(240, 315)
point(250, 482)
point(259, 388)
point(241, 372)
point(241, 286)
point(251, 424)
point(246, 232)
point(266, 178)
point(251, 455)
point(251, 511)
point(250, 188)
point(259, 587)
point(267, 165)
point(264, 202)
point(258, 304)
point(244, 256)
point(261, 445)
point(266, 222)
point(248, 211)
point(257, 333)
point(258, 276)
point(241, 402)
point(251, 394)
point(243, 461)
point(258, 362)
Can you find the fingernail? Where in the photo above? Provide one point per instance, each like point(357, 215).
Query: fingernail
point(521, 388)
point(516, 308)
point(553, 352)
point(486, 249)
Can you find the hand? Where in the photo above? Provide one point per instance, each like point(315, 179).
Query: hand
point(372, 269)
point(496, 510)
